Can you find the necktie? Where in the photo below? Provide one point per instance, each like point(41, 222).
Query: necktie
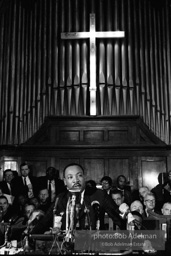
point(25, 184)
point(50, 190)
point(9, 188)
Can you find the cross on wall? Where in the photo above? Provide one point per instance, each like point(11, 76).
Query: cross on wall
point(92, 34)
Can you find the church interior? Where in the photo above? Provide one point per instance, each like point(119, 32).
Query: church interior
point(102, 101)
point(86, 82)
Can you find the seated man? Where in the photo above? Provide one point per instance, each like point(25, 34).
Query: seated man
point(87, 211)
point(6, 216)
point(149, 203)
point(166, 209)
point(142, 193)
point(137, 206)
point(106, 182)
point(122, 186)
point(117, 196)
point(52, 182)
point(44, 202)
point(149, 219)
point(7, 211)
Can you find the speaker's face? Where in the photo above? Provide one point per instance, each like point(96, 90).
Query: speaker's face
point(74, 178)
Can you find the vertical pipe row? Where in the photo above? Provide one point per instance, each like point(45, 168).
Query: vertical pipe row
point(26, 85)
point(49, 58)
point(117, 62)
point(152, 71)
point(100, 49)
point(109, 60)
point(76, 59)
point(147, 69)
point(161, 84)
point(168, 60)
point(30, 88)
point(142, 63)
point(21, 118)
point(130, 94)
point(7, 70)
point(34, 74)
point(55, 68)
point(156, 74)
point(12, 99)
point(18, 79)
point(62, 52)
point(84, 59)
point(44, 88)
point(69, 55)
point(1, 77)
point(137, 59)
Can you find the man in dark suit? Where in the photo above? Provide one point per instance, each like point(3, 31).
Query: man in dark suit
point(6, 185)
point(52, 182)
point(87, 206)
point(25, 184)
point(149, 219)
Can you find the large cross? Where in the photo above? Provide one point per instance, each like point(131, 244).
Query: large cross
point(92, 35)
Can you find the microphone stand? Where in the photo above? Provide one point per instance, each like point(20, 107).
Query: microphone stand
point(70, 218)
point(72, 214)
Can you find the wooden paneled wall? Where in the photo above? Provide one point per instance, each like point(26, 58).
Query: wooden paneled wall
point(42, 75)
point(102, 145)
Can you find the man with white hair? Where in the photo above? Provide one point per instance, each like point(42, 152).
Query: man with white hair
point(166, 209)
point(149, 203)
point(137, 206)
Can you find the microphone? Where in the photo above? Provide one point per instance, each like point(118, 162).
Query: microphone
point(73, 201)
point(75, 192)
point(77, 210)
point(130, 222)
point(124, 210)
point(55, 205)
point(57, 220)
point(96, 207)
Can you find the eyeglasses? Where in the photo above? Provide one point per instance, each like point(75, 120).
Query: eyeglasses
point(150, 201)
point(105, 183)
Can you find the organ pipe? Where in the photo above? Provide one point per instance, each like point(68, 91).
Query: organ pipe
point(41, 74)
point(22, 137)
point(17, 85)
point(55, 60)
point(49, 57)
point(137, 59)
point(1, 77)
point(34, 84)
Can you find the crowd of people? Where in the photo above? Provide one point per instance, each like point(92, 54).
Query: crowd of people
point(30, 202)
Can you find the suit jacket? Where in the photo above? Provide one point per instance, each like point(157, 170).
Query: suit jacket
point(106, 204)
point(5, 189)
point(21, 189)
point(151, 222)
point(59, 184)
